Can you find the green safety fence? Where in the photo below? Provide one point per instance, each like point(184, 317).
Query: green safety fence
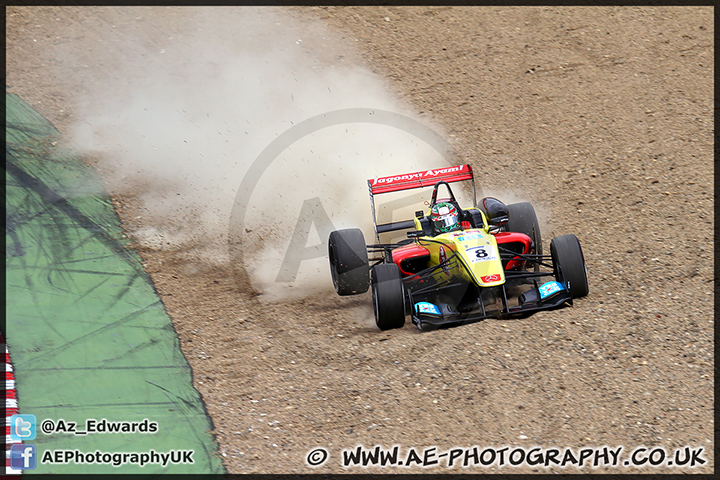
point(87, 332)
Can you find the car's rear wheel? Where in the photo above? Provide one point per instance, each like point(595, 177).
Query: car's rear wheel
point(388, 296)
point(522, 218)
point(569, 264)
point(349, 267)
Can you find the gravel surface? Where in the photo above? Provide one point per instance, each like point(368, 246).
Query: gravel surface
point(600, 116)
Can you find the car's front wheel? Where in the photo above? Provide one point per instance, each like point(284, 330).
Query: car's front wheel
point(569, 264)
point(388, 296)
point(522, 218)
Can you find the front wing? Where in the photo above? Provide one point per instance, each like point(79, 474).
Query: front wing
point(436, 300)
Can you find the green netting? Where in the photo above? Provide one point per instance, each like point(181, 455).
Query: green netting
point(87, 333)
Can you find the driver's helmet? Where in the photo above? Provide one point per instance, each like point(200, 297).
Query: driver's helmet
point(445, 217)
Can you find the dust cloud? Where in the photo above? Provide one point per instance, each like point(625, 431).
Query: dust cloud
point(177, 114)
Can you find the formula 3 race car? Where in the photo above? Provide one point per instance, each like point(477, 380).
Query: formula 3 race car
point(456, 266)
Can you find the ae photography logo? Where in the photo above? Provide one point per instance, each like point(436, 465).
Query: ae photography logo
point(459, 457)
point(314, 211)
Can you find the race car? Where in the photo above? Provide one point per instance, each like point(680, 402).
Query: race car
point(456, 265)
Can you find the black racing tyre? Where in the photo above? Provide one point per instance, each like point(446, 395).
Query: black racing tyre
point(522, 218)
point(349, 261)
point(388, 296)
point(569, 264)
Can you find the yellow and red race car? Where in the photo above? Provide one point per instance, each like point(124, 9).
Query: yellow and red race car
point(457, 265)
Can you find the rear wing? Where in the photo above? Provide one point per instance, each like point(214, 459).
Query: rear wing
point(409, 181)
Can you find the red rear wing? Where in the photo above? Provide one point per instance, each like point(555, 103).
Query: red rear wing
point(407, 181)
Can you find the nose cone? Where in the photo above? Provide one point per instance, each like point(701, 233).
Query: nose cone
point(480, 254)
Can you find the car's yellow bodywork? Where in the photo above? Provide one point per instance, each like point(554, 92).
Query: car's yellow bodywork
point(477, 254)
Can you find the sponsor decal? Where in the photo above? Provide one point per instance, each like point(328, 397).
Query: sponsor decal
point(418, 175)
point(427, 307)
point(483, 253)
point(491, 278)
point(549, 289)
point(464, 237)
point(442, 256)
